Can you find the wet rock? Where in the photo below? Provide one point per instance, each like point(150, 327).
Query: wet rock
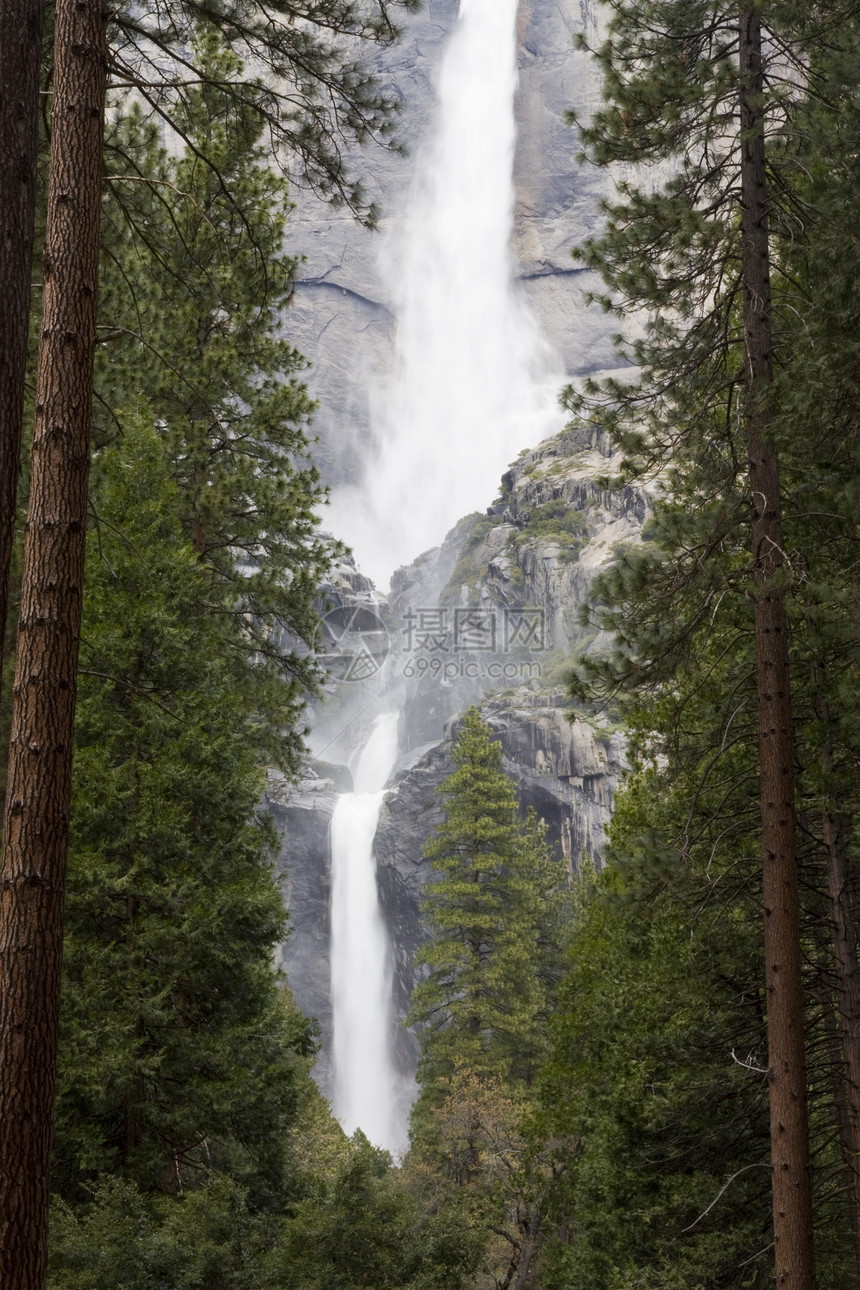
point(341, 315)
point(302, 816)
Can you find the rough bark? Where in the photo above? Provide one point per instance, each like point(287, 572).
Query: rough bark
point(789, 1132)
point(20, 54)
point(37, 800)
point(530, 1227)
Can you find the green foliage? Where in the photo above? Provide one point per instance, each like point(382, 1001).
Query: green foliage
point(663, 1116)
point(555, 521)
point(666, 1122)
point(349, 1220)
point(176, 1050)
point(125, 1240)
point(492, 914)
point(659, 1056)
point(194, 284)
point(363, 1228)
point(495, 917)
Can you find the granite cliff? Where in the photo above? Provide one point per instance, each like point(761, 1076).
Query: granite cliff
point(490, 617)
point(341, 315)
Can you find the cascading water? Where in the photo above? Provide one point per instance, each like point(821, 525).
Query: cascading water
point(473, 381)
point(366, 1084)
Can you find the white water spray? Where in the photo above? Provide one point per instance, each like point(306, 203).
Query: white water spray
point(473, 381)
point(366, 1083)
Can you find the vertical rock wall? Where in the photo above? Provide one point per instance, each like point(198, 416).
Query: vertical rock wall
point(498, 563)
point(511, 561)
point(340, 317)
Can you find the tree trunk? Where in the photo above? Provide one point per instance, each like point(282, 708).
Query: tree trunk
point(20, 57)
point(37, 799)
point(791, 1181)
point(530, 1228)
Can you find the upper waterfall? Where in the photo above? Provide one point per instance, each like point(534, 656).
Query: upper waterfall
point(473, 382)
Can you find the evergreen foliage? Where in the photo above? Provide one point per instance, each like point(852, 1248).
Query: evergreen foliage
point(192, 304)
point(346, 1219)
point(125, 1240)
point(495, 917)
point(491, 912)
point(363, 1228)
point(681, 609)
point(177, 1053)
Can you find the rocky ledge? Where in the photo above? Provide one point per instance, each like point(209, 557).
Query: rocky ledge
point(520, 574)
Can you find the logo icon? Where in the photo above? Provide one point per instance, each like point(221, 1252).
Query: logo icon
point(357, 642)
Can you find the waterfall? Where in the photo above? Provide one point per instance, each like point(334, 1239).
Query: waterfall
point(473, 382)
point(366, 1083)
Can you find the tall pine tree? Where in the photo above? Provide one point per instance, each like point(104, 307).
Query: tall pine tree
point(494, 914)
point(177, 1054)
point(195, 283)
point(710, 91)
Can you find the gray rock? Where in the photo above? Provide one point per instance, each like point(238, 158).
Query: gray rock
point(302, 815)
point(509, 562)
point(341, 314)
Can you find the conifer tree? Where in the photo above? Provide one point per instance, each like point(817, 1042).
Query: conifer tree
point(815, 386)
point(494, 913)
point(193, 294)
point(177, 1056)
point(668, 1182)
point(20, 66)
point(315, 98)
point(492, 917)
point(710, 90)
point(35, 824)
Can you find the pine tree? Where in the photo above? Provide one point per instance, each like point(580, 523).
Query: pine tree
point(177, 1056)
point(667, 1184)
point(492, 919)
point(35, 826)
point(494, 915)
point(713, 91)
point(315, 98)
point(814, 386)
point(20, 65)
point(192, 313)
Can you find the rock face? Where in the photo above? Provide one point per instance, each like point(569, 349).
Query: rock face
point(453, 620)
point(302, 815)
point(492, 615)
point(341, 314)
point(523, 571)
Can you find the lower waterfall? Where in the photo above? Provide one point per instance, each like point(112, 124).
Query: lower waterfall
point(467, 389)
point(366, 1083)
